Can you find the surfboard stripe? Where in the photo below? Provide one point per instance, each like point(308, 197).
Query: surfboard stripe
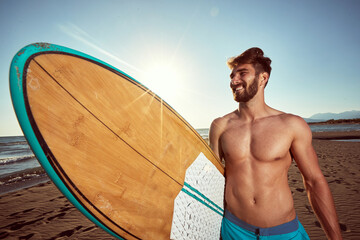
point(197, 206)
point(208, 202)
point(202, 199)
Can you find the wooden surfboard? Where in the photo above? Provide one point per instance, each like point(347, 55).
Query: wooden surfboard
point(116, 150)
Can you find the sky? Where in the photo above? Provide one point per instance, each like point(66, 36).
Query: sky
point(179, 49)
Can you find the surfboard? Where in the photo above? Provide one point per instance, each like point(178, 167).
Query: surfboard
point(126, 159)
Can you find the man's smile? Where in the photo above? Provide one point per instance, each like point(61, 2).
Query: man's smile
point(238, 89)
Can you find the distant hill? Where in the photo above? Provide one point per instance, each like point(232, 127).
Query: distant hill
point(310, 120)
point(327, 116)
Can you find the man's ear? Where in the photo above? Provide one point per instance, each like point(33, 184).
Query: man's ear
point(264, 77)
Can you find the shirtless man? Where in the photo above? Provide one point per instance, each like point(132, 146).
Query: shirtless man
point(258, 144)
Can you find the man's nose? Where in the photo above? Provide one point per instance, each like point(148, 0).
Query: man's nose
point(235, 80)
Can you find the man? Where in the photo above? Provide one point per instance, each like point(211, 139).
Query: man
point(258, 144)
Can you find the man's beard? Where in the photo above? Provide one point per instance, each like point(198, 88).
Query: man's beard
point(248, 93)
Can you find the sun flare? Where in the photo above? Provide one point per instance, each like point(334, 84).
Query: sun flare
point(164, 80)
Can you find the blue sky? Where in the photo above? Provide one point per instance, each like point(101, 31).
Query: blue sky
point(314, 46)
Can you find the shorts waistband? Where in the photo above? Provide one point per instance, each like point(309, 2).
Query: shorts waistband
point(276, 230)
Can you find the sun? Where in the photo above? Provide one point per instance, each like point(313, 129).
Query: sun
point(164, 80)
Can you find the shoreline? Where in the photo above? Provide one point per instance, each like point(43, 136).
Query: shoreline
point(336, 135)
point(26, 178)
point(338, 121)
point(40, 211)
point(28, 183)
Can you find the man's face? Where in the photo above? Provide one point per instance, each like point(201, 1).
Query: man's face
point(244, 82)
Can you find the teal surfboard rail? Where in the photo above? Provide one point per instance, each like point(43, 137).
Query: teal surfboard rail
point(17, 96)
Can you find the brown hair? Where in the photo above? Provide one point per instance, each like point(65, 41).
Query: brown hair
point(253, 56)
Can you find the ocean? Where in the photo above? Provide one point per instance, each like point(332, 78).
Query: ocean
point(204, 132)
point(19, 167)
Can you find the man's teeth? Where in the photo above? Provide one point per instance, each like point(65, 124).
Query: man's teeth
point(239, 88)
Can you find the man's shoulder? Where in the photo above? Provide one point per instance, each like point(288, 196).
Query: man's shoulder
point(294, 123)
point(219, 124)
point(224, 119)
point(292, 119)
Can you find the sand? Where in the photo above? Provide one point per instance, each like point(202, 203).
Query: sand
point(42, 212)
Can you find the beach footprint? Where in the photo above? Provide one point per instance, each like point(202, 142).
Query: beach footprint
point(317, 224)
point(3, 235)
point(56, 216)
point(309, 208)
point(26, 236)
point(67, 233)
point(343, 227)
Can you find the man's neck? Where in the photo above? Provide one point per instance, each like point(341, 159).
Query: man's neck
point(253, 109)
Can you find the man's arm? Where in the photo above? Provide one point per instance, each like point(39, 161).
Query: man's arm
point(317, 188)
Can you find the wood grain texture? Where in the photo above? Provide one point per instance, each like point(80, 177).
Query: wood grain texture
point(118, 147)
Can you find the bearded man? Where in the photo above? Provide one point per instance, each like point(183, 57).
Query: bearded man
point(257, 144)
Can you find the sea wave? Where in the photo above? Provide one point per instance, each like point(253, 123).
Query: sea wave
point(10, 160)
point(204, 132)
point(13, 143)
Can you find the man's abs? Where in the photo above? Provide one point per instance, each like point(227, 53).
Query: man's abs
point(258, 193)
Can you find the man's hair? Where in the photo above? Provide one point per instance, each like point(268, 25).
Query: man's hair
point(253, 56)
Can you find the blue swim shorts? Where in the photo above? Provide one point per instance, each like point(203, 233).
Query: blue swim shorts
point(232, 228)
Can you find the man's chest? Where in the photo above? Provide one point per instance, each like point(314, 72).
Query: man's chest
point(263, 142)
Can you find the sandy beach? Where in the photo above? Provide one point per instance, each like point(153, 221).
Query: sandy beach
point(42, 212)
